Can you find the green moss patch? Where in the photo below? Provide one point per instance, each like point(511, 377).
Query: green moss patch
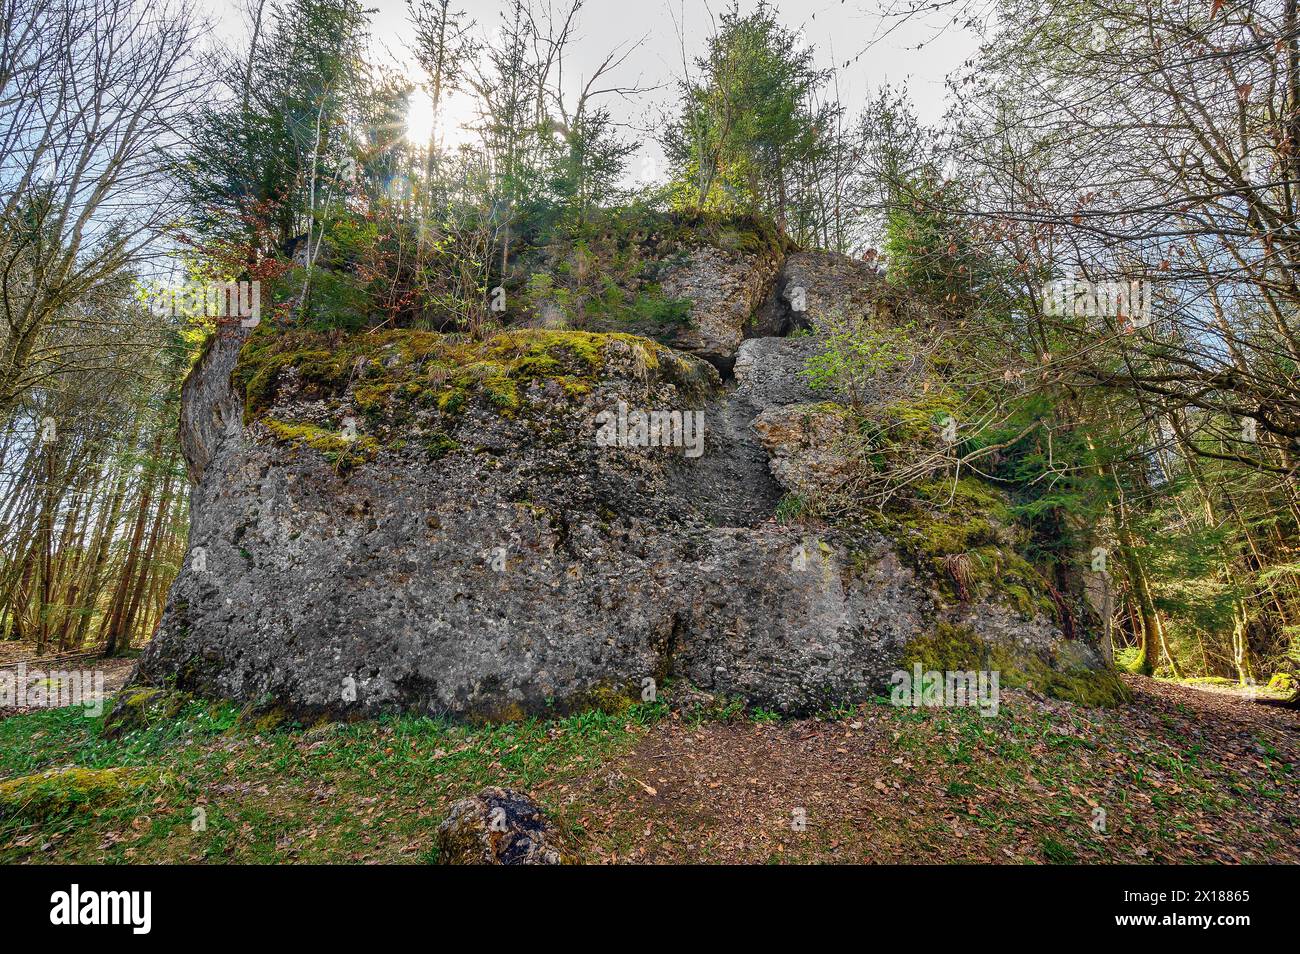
point(62, 792)
point(138, 708)
point(391, 376)
point(957, 648)
point(749, 234)
point(383, 369)
point(950, 518)
point(439, 445)
point(344, 452)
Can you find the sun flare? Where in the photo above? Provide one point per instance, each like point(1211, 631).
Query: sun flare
point(452, 123)
point(419, 117)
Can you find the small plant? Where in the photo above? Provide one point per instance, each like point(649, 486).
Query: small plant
point(858, 357)
point(790, 508)
point(1057, 853)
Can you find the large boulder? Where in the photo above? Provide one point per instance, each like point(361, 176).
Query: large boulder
point(817, 285)
point(805, 444)
point(402, 521)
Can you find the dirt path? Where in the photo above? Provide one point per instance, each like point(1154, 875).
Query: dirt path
point(1180, 775)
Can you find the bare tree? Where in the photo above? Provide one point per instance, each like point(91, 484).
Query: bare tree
point(90, 92)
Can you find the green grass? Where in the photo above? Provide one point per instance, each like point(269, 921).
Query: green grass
point(369, 791)
point(1028, 781)
point(1029, 774)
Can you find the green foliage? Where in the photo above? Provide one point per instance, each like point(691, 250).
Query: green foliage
point(856, 353)
point(746, 126)
point(1128, 658)
point(583, 168)
point(790, 508)
point(335, 299)
point(933, 253)
point(278, 137)
point(603, 274)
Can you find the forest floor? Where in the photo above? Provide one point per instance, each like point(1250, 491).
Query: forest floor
point(1178, 775)
point(100, 677)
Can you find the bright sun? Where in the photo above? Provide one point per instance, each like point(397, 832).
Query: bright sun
point(419, 118)
point(454, 122)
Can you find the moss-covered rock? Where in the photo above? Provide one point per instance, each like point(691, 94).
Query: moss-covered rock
point(136, 708)
point(407, 364)
point(973, 521)
point(1067, 675)
point(351, 398)
point(338, 448)
point(498, 826)
point(1283, 683)
point(610, 699)
point(377, 370)
point(62, 792)
point(266, 716)
point(500, 556)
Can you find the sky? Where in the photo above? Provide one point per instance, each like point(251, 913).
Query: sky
point(919, 54)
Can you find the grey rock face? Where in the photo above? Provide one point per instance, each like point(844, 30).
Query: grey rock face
point(725, 289)
point(497, 826)
point(769, 371)
point(530, 568)
point(813, 283)
point(732, 483)
point(215, 411)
